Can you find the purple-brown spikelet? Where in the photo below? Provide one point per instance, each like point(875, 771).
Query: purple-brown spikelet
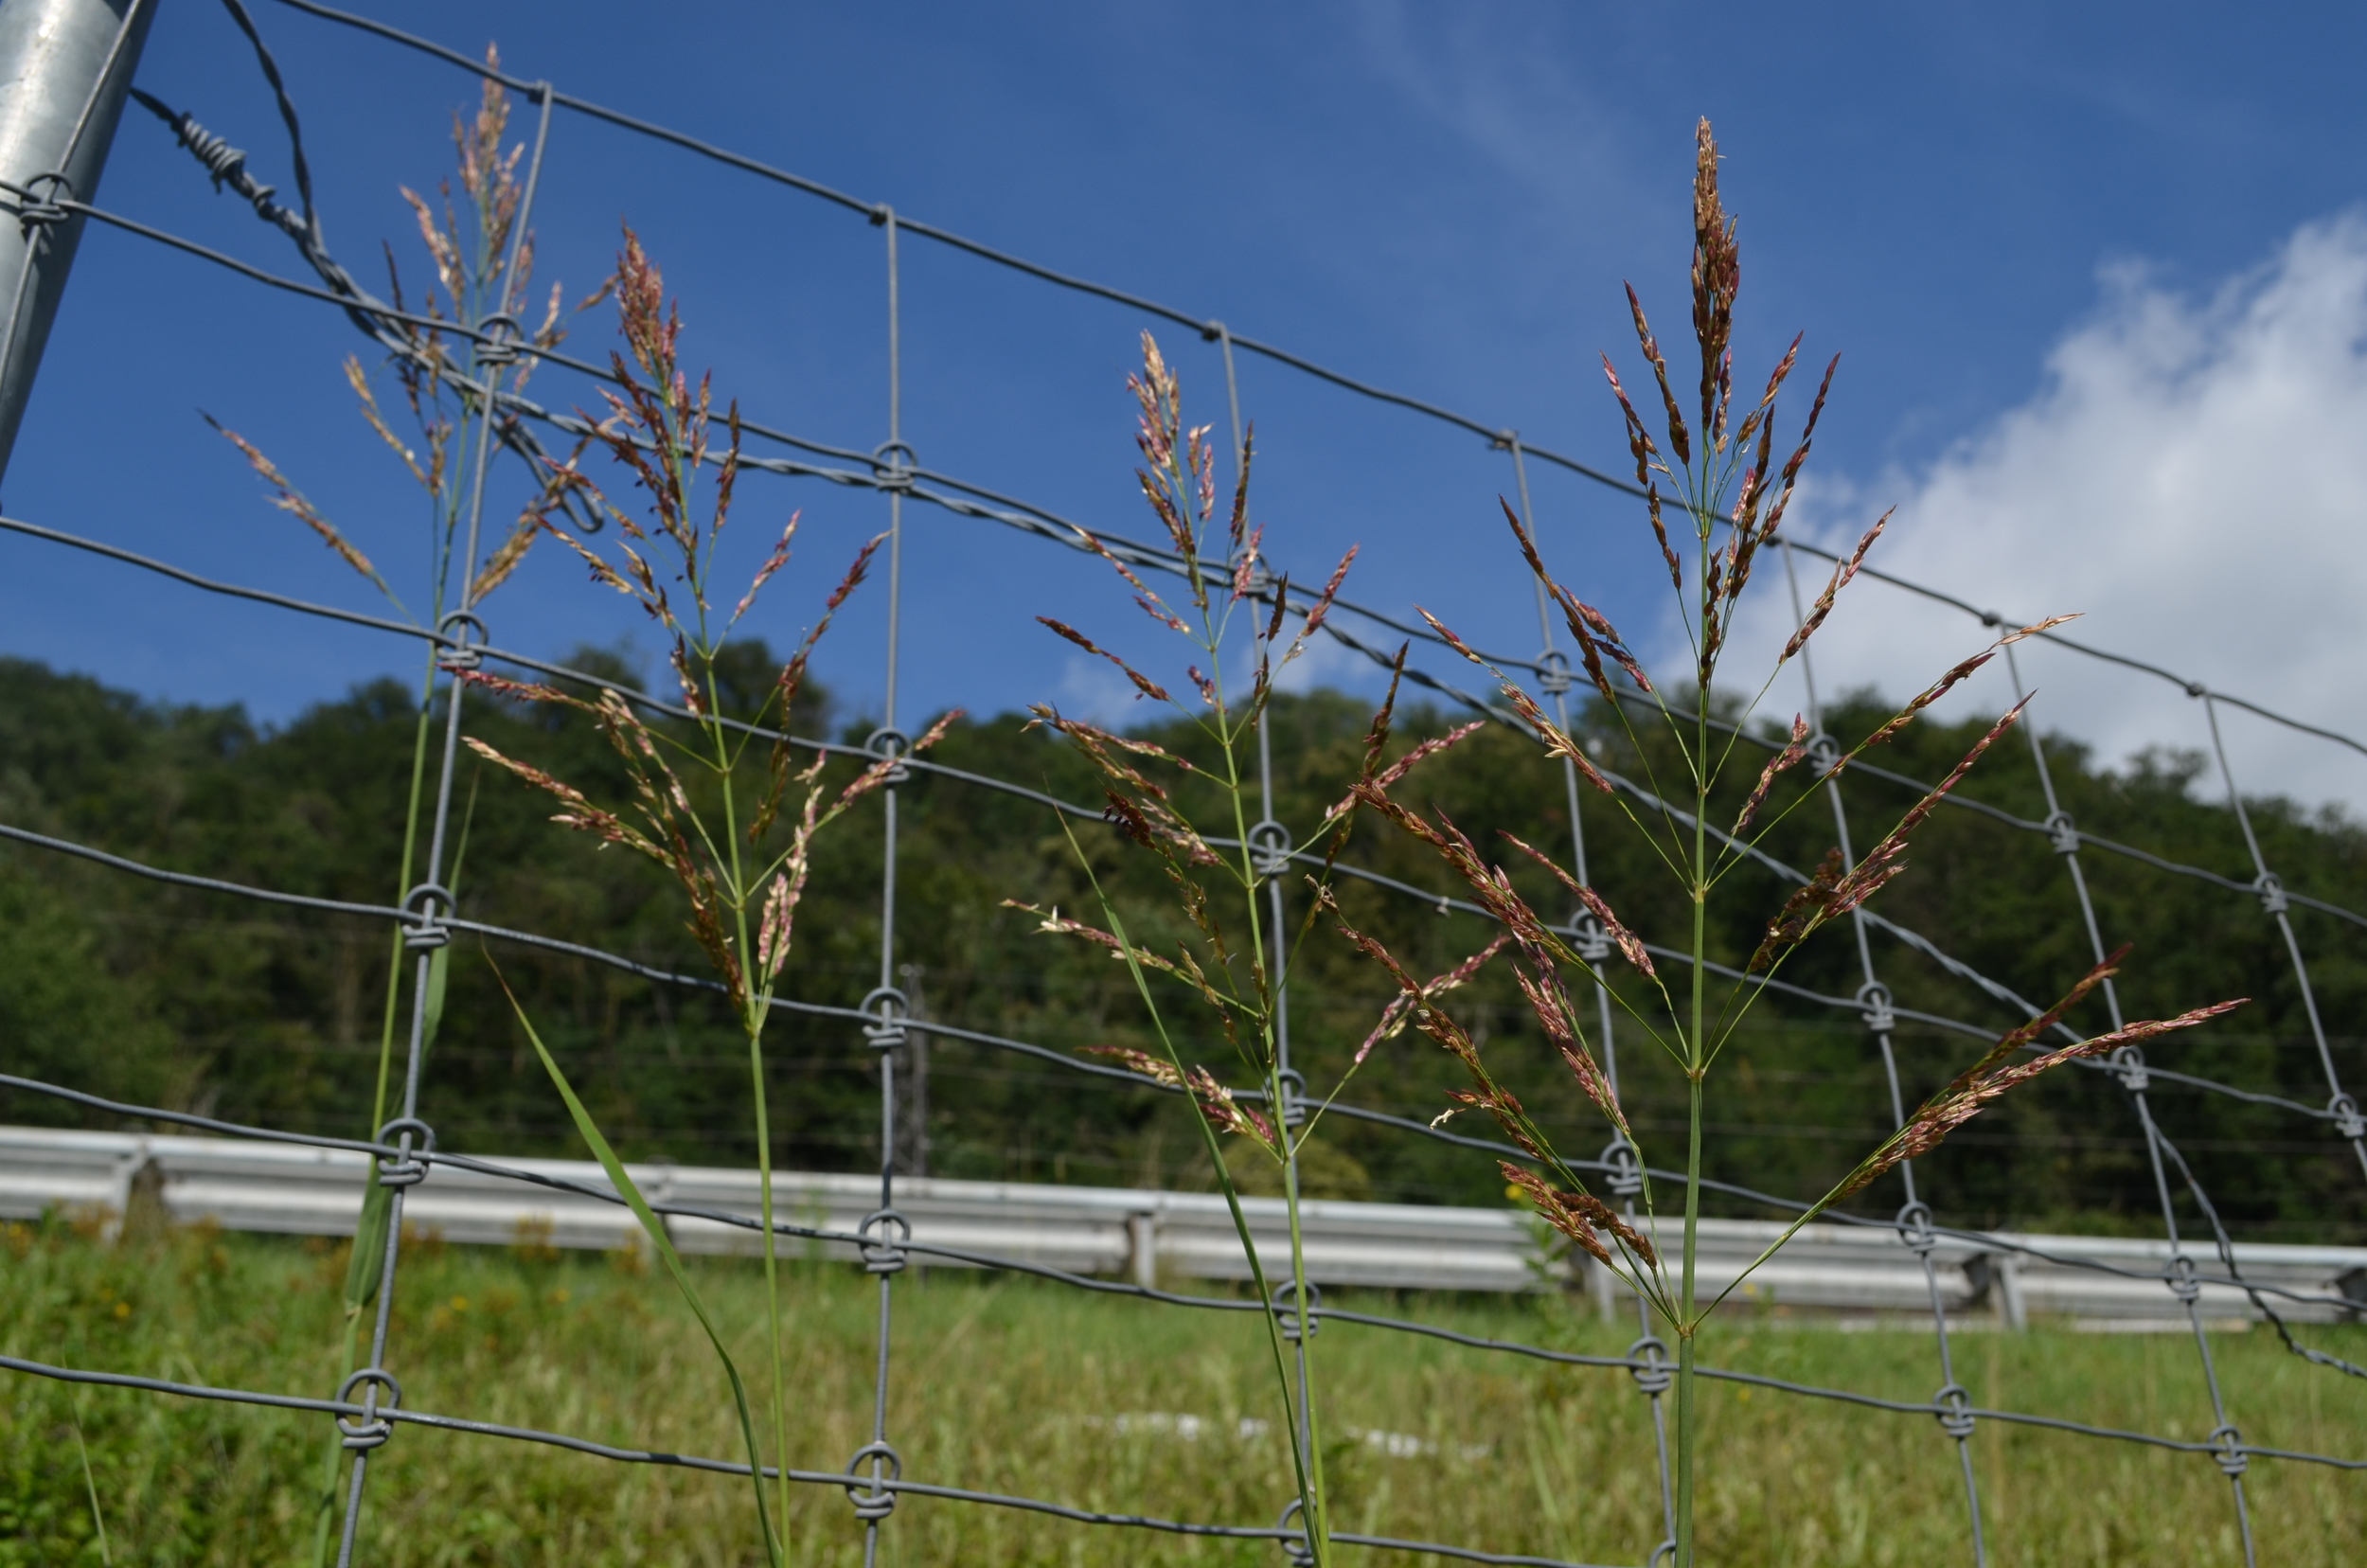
point(1716, 279)
point(1793, 750)
point(1843, 573)
point(1143, 683)
point(1155, 1068)
point(773, 564)
point(1973, 1091)
point(1552, 1208)
point(1679, 440)
point(1630, 946)
point(1801, 913)
point(1394, 1016)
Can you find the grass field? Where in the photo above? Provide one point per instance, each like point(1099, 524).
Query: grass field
point(1007, 1385)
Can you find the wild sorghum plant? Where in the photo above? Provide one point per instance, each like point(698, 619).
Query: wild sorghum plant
point(450, 383)
point(1231, 963)
point(741, 850)
point(1728, 498)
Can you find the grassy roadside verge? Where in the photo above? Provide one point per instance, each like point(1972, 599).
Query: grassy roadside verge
point(1004, 1385)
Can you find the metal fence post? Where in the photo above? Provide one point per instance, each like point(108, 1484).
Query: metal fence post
point(64, 66)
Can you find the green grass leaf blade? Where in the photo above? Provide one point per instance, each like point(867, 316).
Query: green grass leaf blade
point(655, 1229)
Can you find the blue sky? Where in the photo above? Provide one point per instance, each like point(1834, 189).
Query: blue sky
point(2065, 251)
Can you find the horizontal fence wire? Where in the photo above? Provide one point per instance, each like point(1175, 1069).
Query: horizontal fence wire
point(1210, 326)
point(1233, 1304)
point(404, 1150)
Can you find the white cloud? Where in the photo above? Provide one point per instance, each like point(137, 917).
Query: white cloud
point(2192, 476)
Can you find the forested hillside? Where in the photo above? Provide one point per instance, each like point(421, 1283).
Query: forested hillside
point(185, 999)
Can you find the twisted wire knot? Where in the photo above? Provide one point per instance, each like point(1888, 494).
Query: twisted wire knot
point(370, 1429)
point(872, 1501)
point(889, 744)
point(2348, 1123)
point(1269, 848)
point(2179, 1273)
point(1653, 1377)
point(222, 161)
point(1553, 672)
point(2232, 1460)
point(406, 1168)
point(1954, 1408)
point(2129, 1062)
point(36, 210)
point(1286, 1309)
point(884, 1254)
point(1823, 751)
point(1875, 998)
point(893, 465)
point(893, 1008)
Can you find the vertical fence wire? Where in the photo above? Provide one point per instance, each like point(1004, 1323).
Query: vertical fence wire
point(2179, 1273)
point(885, 1229)
point(1270, 859)
point(1594, 944)
point(1915, 1216)
point(491, 354)
point(2272, 899)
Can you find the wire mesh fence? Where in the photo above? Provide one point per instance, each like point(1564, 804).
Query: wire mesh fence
point(369, 1407)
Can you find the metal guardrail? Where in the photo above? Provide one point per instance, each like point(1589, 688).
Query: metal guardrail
point(1148, 1235)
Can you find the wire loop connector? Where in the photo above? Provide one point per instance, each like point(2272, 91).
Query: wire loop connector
point(891, 1007)
point(1294, 1542)
point(1627, 1171)
point(2231, 1453)
point(1954, 1409)
point(458, 650)
point(884, 1253)
point(39, 211)
point(1914, 1228)
point(894, 467)
point(1650, 1369)
point(1875, 998)
point(497, 342)
point(369, 1430)
point(431, 903)
point(872, 1501)
point(889, 744)
point(1553, 672)
point(1286, 1309)
point(2348, 1123)
point(2271, 891)
point(1269, 848)
point(406, 1168)
point(2062, 833)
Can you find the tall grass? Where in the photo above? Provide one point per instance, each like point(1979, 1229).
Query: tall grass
point(740, 850)
point(1023, 1387)
point(1228, 954)
point(1729, 497)
point(482, 259)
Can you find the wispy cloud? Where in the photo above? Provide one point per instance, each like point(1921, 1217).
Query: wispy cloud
point(2191, 475)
